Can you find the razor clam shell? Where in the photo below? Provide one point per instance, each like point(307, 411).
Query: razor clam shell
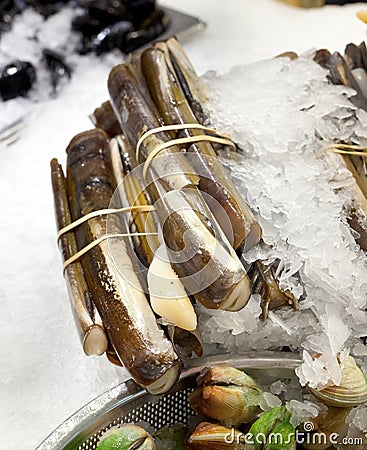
point(340, 73)
point(88, 322)
point(186, 342)
point(265, 283)
point(135, 115)
point(214, 181)
point(104, 117)
point(129, 321)
point(182, 309)
point(189, 80)
point(207, 265)
point(170, 179)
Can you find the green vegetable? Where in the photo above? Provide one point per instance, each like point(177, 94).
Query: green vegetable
point(171, 438)
point(272, 431)
point(126, 437)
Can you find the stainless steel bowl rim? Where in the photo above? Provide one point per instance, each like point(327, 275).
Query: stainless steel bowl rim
point(129, 391)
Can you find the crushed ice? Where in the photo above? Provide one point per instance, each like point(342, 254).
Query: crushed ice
point(302, 411)
point(300, 193)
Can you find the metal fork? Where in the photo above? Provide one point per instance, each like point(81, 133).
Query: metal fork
point(11, 133)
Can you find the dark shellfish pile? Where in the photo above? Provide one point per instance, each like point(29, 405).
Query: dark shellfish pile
point(100, 25)
point(126, 25)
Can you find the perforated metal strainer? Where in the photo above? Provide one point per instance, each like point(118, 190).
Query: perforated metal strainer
point(128, 403)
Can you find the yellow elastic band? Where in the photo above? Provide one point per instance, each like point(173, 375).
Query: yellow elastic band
point(349, 152)
point(181, 126)
point(76, 223)
point(96, 242)
point(165, 145)
point(224, 140)
point(346, 149)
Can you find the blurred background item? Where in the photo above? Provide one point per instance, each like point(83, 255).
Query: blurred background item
point(41, 40)
point(318, 3)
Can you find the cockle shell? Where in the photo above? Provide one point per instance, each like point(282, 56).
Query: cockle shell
point(227, 395)
point(208, 436)
point(352, 390)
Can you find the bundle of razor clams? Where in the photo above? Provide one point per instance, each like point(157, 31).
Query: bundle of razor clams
point(150, 222)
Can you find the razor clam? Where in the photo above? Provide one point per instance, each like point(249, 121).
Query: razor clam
point(289, 54)
point(198, 251)
point(226, 394)
point(354, 67)
point(228, 207)
point(197, 98)
point(166, 292)
point(265, 283)
point(184, 342)
point(352, 390)
point(363, 53)
point(133, 192)
point(189, 80)
point(209, 436)
point(353, 58)
point(88, 322)
point(103, 117)
point(340, 73)
point(136, 116)
point(126, 437)
point(112, 356)
point(128, 319)
point(358, 215)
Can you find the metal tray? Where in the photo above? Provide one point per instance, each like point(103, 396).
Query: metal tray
point(127, 402)
point(182, 25)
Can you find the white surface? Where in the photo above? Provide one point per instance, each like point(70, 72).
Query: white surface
point(41, 360)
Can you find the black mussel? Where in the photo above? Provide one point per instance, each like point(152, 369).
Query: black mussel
point(113, 36)
point(46, 7)
point(125, 24)
point(16, 79)
point(59, 71)
point(8, 10)
point(87, 25)
point(151, 28)
point(140, 10)
point(6, 6)
point(106, 11)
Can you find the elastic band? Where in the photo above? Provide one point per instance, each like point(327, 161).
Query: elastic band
point(224, 140)
point(349, 152)
point(76, 223)
point(96, 242)
point(165, 145)
point(181, 126)
point(346, 149)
